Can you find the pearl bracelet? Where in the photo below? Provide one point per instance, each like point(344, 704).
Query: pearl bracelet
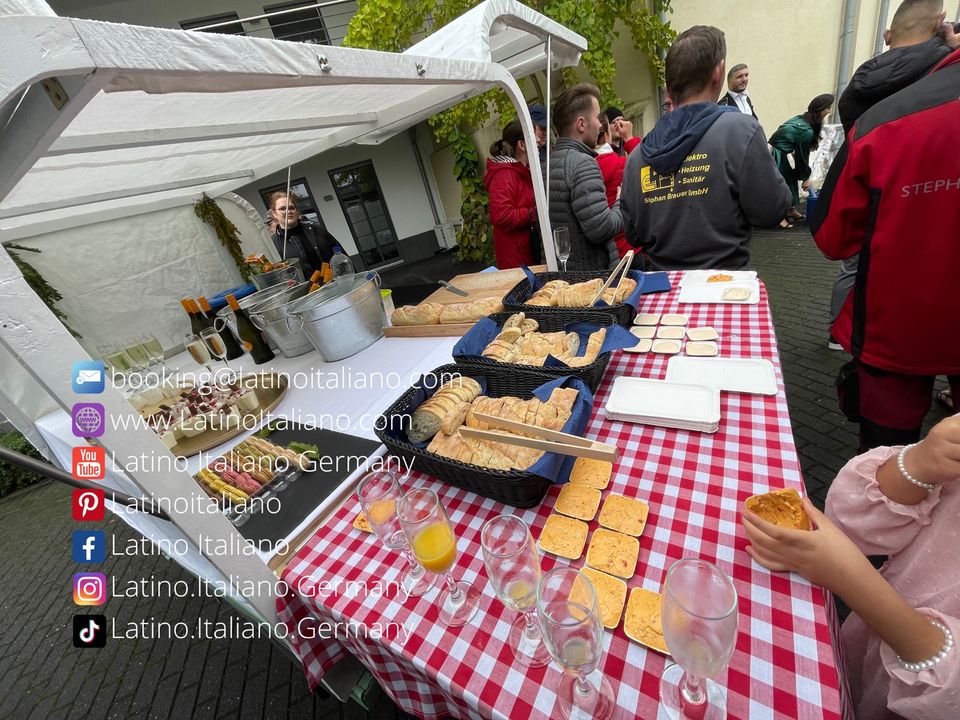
point(903, 470)
point(932, 662)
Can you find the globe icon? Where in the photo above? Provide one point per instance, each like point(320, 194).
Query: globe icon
point(88, 420)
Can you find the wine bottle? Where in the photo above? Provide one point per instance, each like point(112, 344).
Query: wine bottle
point(250, 337)
point(202, 322)
point(193, 312)
point(226, 334)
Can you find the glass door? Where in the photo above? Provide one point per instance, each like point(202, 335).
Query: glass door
point(358, 191)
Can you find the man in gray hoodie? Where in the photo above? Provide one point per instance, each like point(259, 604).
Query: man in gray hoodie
point(703, 177)
point(578, 198)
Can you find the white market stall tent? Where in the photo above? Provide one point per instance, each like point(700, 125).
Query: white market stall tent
point(100, 121)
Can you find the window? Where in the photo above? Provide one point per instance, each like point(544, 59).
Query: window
point(235, 28)
point(301, 191)
point(304, 25)
point(358, 191)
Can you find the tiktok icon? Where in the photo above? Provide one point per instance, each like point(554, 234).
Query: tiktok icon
point(89, 631)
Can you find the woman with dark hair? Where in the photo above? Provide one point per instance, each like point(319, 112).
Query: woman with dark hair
point(513, 211)
point(798, 136)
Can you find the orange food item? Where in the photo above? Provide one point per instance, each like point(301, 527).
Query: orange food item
point(720, 277)
point(780, 507)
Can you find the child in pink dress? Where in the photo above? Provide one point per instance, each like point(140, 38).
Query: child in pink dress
point(899, 643)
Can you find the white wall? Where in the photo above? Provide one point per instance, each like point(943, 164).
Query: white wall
point(396, 167)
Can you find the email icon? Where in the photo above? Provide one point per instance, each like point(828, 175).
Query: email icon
point(88, 376)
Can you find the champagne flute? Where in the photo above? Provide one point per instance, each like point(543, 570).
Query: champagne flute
point(699, 616)
point(379, 493)
point(570, 621)
point(431, 537)
point(513, 566)
point(561, 241)
point(214, 343)
point(198, 351)
point(136, 352)
point(153, 348)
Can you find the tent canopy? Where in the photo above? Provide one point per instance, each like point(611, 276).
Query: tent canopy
point(106, 120)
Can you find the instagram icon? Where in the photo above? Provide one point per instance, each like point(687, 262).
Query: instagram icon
point(89, 589)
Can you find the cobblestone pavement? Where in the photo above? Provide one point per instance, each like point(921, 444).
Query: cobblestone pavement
point(43, 677)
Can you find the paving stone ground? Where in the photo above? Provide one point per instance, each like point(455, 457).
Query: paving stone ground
point(42, 676)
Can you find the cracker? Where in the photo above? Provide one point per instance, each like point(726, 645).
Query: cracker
point(563, 536)
point(613, 553)
point(666, 347)
point(780, 507)
point(611, 596)
point(735, 294)
point(643, 331)
point(647, 319)
point(360, 523)
point(623, 514)
point(673, 319)
point(701, 349)
point(642, 346)
point(667, 332)
point(702, 334)
point(579, 501)
point(642, 623)
point(719, 277)
point(592, 473)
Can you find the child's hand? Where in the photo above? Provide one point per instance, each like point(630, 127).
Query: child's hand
point(824, 556)
point(936, 459)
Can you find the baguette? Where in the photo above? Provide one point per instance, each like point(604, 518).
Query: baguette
point(580, 294)
point(429, 416)
point(467, 312)
point(423, 314)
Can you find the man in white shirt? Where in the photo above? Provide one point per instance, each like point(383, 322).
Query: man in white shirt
point(737, 79)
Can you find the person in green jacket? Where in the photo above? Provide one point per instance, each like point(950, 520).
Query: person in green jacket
point(798, 136)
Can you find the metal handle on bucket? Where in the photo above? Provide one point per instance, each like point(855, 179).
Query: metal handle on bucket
point(222, 320)
point(290, 329)
point(255, 319)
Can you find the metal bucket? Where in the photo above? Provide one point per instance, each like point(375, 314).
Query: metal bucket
point(291, 272)
point(341, 318)
point(225, 314)
point(270, 316)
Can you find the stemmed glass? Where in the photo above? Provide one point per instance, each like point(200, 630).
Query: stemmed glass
point(570, 621)
point(431, 537)
point(513, 566)
point(699, 616)
point(198, 351)
point(214, 343)
point(153, 348)
point(378, 493)
point(561, 241)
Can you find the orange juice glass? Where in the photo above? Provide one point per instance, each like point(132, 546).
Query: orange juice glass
point(434, 544)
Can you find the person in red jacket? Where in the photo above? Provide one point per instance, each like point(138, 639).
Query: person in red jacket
point(893, 195)
point(611, 168)
point(513, 211)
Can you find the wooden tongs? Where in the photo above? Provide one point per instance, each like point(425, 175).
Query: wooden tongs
point(623, 267)
point(541, 439)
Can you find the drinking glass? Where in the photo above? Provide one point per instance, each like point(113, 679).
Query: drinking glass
point(198, 351)
point(513, 567)
point(379, 493)
point(699, 616)
point(138, 354)
point(153, 348)
point(431, 537)
point(214, 343)
point(116, 357)
point(570, 622)
point(561, 241)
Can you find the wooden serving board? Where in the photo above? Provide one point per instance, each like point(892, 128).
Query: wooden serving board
point(478, 286)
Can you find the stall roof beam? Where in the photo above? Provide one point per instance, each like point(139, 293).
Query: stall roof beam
point(74, 144)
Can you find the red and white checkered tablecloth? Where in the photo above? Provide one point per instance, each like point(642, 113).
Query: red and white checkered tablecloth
point(784, 665)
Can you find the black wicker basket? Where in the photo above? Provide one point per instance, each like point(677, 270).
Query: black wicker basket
point(521, 292)
point(591, 374)
point(511, 487)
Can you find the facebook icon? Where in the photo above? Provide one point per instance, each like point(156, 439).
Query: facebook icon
point(89, 546)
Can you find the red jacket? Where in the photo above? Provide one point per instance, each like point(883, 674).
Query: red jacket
point(611, 168)
point(512, 211)
point(893, 195)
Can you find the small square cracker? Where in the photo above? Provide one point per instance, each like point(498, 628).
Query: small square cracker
point(578, 501)
point(642, 622)
point(623, 514)
point(613, 553)
point(611, 596)
point(563, 536)
point(592, 473)
point(360, 523)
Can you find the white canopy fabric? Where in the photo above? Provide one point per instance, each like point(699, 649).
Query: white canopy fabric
point(152, 117)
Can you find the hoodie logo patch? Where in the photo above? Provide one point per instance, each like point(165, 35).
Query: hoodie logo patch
point(651, 180)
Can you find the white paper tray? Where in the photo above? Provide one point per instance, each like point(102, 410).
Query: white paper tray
point(668, 404)
point(712, 292)
point(699, 277)
point(744, 375)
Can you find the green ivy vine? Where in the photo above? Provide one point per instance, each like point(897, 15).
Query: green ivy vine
point(228, 234)
point(389, 25)
point(49, 294)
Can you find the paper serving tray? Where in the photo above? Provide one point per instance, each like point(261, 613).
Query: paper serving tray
point(713, 292)
point(699, 277)
point(744, 375)
point(666, 404)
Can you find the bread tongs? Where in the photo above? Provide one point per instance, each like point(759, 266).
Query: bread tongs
point(541, 439)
